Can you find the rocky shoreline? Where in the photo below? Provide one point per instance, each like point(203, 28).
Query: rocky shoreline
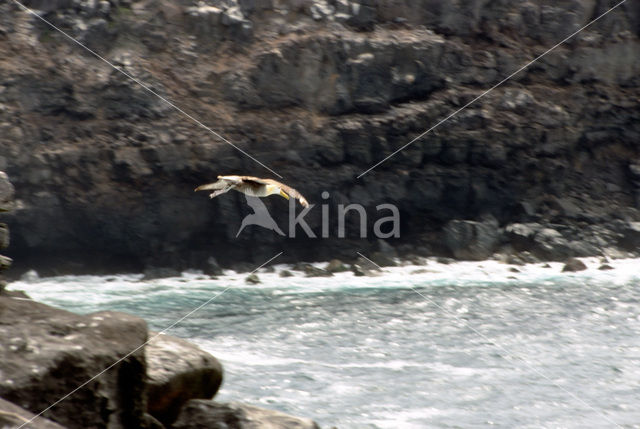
point(106, 370)
point(134, 378)
point(318, 91)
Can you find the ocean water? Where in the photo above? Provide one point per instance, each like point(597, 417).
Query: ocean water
point(464, 345)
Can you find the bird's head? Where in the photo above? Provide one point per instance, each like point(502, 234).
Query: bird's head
point(275, 189)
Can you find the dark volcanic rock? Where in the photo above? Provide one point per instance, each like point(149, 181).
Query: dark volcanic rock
point(178, 371)
point(311, 271)
point(152, 273)
point(45, 353)
point(383, 259)
point(7, 192)
point(6, 203)
point(545, 243)
point(199, 413)
point(105, 169)
point(472, 240)
point(4, 236)
point(573, 265)
point(336, 266)
point(252, 279)
point(12, 416)
point(364, 267)
point(630, 236)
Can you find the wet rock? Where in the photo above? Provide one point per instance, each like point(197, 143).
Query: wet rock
point(286, 273)
point(605, 267)
point(199, 413)
point(472, 240)
point(178, 371)
point(252, 279)
point(301, 266)
point(311, 271)
point(383, 259)
point(364, 267)
point(12, 416)
point(212, 268)
point(153, 273)
point(573, 265)
point(336, 266)
point(243, 267)
point(30, 276)
point(48, 353)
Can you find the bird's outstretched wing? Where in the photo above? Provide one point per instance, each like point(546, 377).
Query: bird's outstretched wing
point(287, 189)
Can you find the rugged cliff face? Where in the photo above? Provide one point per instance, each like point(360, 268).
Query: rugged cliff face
point(318, 91)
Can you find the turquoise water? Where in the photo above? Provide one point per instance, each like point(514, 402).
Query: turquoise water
point(463, 345)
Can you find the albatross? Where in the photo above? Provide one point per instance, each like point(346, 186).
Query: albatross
point(253, 187)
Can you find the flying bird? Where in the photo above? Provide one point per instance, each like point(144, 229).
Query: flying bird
point(253, 187)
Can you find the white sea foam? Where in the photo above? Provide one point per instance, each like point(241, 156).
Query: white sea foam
point(103, 290)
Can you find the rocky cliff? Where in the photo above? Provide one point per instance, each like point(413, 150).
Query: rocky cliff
point(318, 91)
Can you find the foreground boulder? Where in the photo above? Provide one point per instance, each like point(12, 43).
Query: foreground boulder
point(6, 193)
point(13, 416)
point(199, 413)
point(46, 353)
point(6, 203)
point(177, 372)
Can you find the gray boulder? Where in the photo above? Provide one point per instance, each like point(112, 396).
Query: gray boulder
point(6, 193)
point(199, 413)
point(4, 236)
point(551, 245)
point(472, 240)
point(629, 236)
point(252, 279)
point(178, 371)
point(45, 353)
point(336, 266)
point(573, 265)
point(311, 271)
point(12, 416)
point(364, 267)
point(543, 242)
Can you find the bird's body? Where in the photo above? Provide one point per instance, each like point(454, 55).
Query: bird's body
point(253, 187)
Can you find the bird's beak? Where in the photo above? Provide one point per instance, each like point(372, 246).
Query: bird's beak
point(284, 194)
